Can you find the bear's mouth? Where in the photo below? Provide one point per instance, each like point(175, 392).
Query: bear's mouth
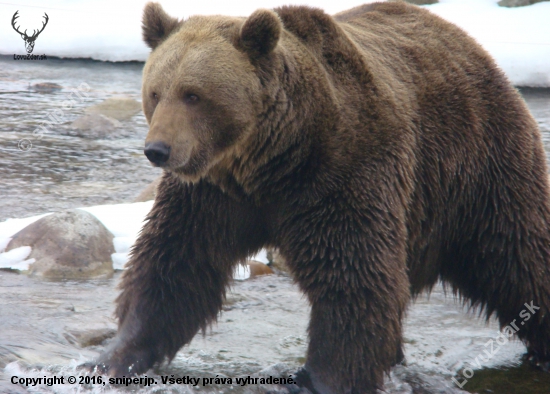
point(195, 165)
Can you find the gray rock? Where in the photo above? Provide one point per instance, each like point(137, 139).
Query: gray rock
point(150, 191)
point(68, 245)
point(518, 3)
point(94, 126)
point(419, 2)
point(46, 87)
point(276, 261)
point(90, 337)
point(120, 108)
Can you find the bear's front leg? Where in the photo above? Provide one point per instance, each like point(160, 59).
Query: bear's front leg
point(352, 267)
point(175, 281)
point(352, 346)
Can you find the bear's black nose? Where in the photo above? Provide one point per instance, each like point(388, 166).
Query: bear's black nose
point(158, 153)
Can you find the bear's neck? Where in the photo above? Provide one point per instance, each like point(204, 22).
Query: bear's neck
point(299, 138)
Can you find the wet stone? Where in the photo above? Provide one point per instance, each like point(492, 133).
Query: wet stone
point(119, 108)
point(276, 260)
point(420, 2)
point(94, 126)
point(150, 191)
point(46, 87)
point(90, 337)
point(518, 3)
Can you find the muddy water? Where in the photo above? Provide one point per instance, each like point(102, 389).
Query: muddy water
point(48, 328)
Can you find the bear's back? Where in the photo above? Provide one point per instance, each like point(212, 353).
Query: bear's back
point(400, 46)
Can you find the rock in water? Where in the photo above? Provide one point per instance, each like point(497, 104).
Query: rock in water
point(150, 192)
point(119, 108)
point(518, 3)
point(419, 2)
point(90, 336)
point(46, 87)
point(276, 260)
point(257, 268)
point(95, 126)
point(71, 244)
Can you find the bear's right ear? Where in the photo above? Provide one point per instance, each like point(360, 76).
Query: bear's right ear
point(157, 24)
point(260, 33)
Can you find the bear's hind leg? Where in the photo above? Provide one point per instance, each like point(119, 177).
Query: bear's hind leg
point(507, 273)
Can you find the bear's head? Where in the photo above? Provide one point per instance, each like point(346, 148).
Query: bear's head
point(201, 89)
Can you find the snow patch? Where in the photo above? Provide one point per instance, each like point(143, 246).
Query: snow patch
point(518, 38)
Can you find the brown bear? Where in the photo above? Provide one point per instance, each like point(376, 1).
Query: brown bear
point(380, 150)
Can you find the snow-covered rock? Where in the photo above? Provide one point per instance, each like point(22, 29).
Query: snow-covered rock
point(71, 244)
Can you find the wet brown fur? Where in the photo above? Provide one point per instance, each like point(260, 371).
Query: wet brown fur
point(380, 150)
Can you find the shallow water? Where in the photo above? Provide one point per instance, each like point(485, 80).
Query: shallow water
point(48, 328)
point(58, 170)
point(249, 336)
point(261, 331)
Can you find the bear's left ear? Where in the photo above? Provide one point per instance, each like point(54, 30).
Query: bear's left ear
point(157, 25)
point(260, 33)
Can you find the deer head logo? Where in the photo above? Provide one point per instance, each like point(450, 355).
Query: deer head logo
point(29, 41)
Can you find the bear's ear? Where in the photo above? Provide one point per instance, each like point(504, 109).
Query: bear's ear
point(260, 33)
point(157, 24)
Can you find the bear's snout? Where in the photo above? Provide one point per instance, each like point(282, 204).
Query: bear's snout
point(157, 152)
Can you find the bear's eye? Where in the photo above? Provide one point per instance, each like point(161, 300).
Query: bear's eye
point(191, 98)
point(155, 97)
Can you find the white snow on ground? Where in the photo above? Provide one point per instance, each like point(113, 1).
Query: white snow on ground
point(124, 221)
point(16, 258)
point(518, 38)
